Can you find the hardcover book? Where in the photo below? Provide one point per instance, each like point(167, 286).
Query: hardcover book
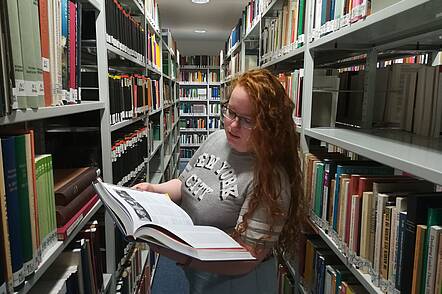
point(154, 218)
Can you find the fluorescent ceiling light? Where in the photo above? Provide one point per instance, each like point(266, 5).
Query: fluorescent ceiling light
point(200, 1)
point(200, 31)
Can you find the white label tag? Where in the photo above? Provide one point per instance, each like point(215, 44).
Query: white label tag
point(45, 64)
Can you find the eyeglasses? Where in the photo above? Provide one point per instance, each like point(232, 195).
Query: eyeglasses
point(244, 122)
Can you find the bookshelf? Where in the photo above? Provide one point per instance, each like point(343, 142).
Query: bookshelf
point(354, 39)
point(103, 55)
point(199, 101)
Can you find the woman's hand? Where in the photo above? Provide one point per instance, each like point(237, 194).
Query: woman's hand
point(147, 187)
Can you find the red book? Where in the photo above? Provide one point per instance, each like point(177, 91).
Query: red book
point(44, 41)
point(64, 232)
point(72, 45)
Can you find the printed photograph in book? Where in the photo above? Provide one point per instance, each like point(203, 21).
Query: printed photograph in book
point(154, 218)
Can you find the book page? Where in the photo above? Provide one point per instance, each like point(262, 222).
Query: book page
point(198, 237)
point(147, 207)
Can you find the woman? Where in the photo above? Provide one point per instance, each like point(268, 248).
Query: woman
point(245, 180)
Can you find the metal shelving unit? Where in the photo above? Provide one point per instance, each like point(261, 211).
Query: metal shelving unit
point(405, 28)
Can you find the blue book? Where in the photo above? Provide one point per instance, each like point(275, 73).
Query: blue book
point(13, 209)
point(400, 246)
point(356, 167)
point(64, 19)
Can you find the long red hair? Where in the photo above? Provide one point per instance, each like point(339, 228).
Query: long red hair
point(275, 144)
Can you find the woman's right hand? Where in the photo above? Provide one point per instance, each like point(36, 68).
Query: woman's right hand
point(147, 187)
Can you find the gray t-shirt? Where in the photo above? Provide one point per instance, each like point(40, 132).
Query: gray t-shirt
point(215, 186)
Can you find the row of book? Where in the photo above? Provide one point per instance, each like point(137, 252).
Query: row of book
point(167, 94)
point(28, 221)
point(78, 269)
point(372, 215)
point(408, 97)
point(151, 12)
point(234, 38)
point(234, 65)
point(130, 150)
point(134, 271)
point(199, 60)
point(192, 123)
point(197, 93)
point(123, 31)
point(131, 95)
point(41, 53)
point(324, 272)
point(251, 15)
point(187, 152)
point(293, 84)
point(192, 138)
point(199, 76)
point(190, 107)
point(153, 50)
point(74, 197)
point(169, 40)
point(285, 31)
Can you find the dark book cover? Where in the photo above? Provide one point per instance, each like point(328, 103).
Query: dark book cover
point(13, 208)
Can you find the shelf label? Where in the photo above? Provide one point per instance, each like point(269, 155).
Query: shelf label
point(45, 64)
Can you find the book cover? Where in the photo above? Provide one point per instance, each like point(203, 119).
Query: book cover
point(23, 198)
point(13, 209)
point(418, 257)
point(68, 183)
point(19, 99)
point(417, 206)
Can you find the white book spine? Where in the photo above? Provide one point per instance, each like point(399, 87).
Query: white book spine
point(433, 247)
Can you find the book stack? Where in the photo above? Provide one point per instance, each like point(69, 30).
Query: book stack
point(214, 93)
point(27, 207)
point(44, 51)
point(250, 15)
point(6, 66)
point(196, 76)
point(199, 61)
point(132, 95)
point(129, 155)
point(78, 269)
point(192, 123)
point(293, 83)
point(134, 272)
point(74, 197)
point(153, 50)
point(415, 107)
point(190, 108)
point(372, 215)
point(192, 139)
point(285, 31)
point(330, 16)
point(123, 31)
point(324, 272)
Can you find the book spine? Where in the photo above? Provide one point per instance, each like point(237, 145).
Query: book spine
point(23, 197)
point(4, 236)
point(19, 99)
point(37, 65)
point(45, 50)
point(385, 251)
point(417, 265)
point(13, 209)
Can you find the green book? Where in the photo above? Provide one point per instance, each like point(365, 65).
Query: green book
point(319, 183)
point(301, 14)
point(28, 54)
point(39, 168)
point(19, 99)
point(23, 196)
point(434, 218)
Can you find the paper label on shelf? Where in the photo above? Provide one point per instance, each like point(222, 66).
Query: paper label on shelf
point(328, 26)
point(301, 38)
point(45, 64)
point(336, 24)
point(345, 20)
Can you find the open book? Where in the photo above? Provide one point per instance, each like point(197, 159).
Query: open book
point(154, 218)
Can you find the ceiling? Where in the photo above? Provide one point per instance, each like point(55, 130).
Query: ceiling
point(183, 17)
